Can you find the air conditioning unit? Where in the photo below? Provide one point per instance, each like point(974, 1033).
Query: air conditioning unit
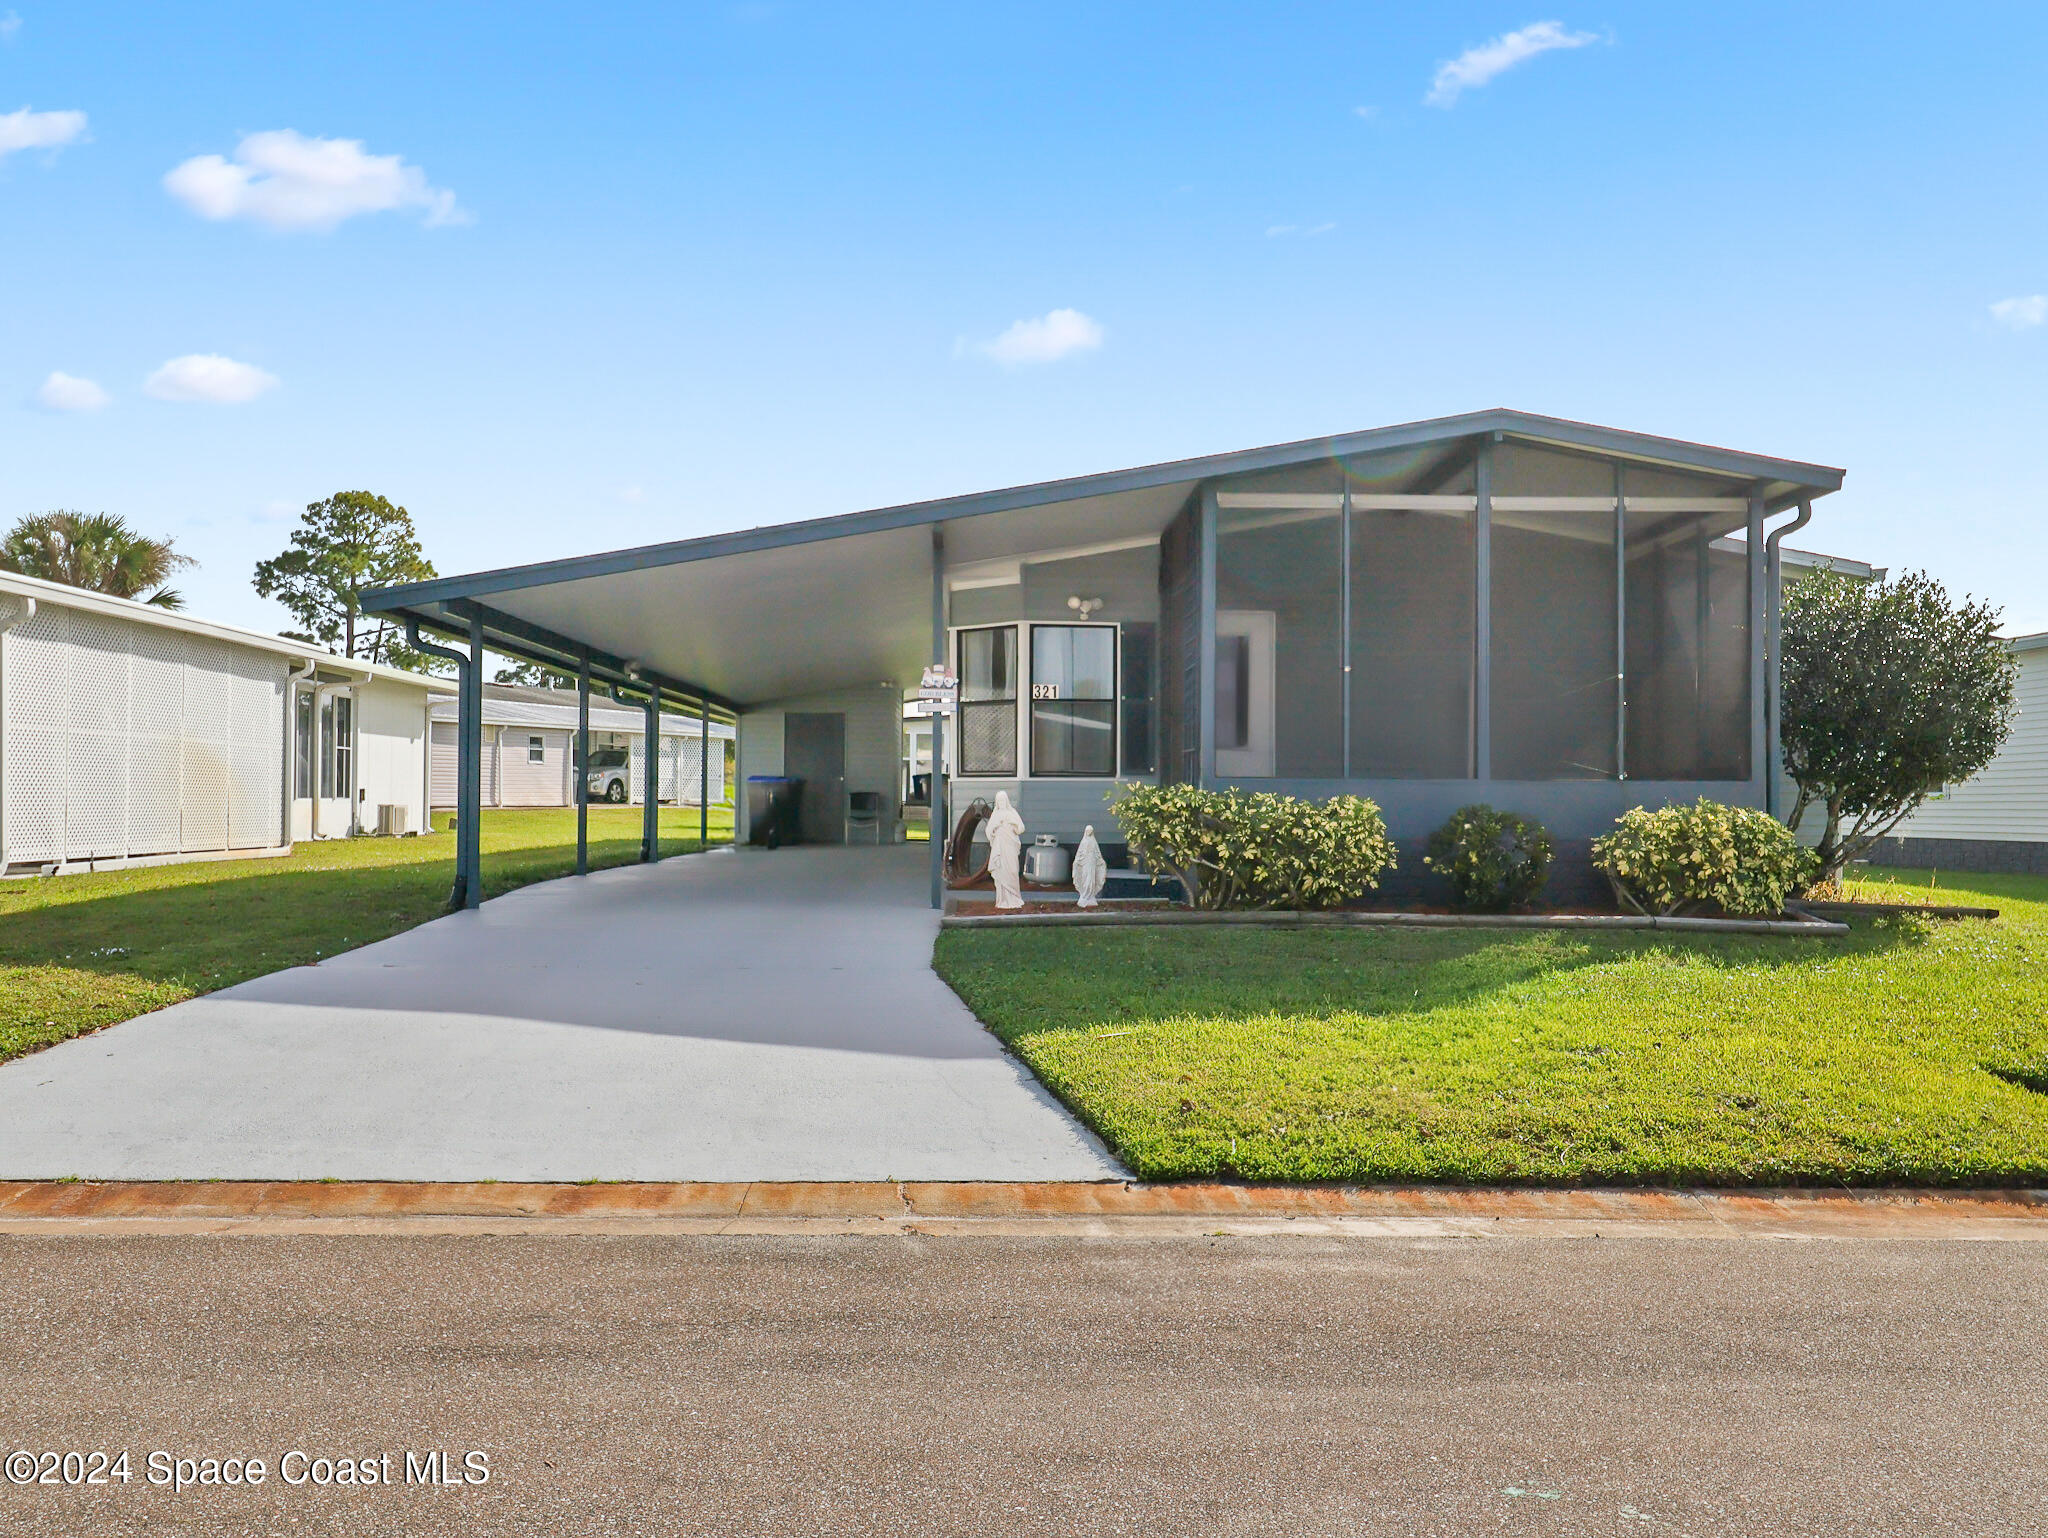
point(391, 820)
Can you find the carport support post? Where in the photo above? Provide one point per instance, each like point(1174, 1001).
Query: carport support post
point(1482, 612)
point(650, 772)
point(704, 773)
point(935, 819)
point(582, 766)
point(469, 832)
point(1759, 737)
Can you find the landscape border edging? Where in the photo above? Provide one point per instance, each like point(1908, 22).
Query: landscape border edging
point(1814, 928)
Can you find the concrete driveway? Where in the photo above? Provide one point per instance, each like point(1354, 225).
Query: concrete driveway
point(736, 1015)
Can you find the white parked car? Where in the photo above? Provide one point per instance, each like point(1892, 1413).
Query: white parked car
point(607, 775)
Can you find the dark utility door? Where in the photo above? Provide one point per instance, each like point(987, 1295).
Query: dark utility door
point(814, 751)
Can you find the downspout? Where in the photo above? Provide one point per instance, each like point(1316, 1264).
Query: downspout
point(291, 740)
point(465, 815)
point(1774, 601)
point(28, 612)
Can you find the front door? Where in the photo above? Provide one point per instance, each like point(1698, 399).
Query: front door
point(814, 751)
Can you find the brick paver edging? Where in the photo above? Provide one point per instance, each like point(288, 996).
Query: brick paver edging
point(1049, 1208)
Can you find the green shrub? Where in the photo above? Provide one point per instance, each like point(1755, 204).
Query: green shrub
point(1492, 859)
point(1705, 858)
point(1240, 849)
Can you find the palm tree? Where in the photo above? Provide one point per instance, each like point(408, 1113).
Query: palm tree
point(97, 551)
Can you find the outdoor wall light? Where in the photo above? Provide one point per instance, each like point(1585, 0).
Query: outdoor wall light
point(1084, 606)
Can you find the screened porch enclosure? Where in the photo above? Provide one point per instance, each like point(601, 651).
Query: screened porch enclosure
point(1491, 611)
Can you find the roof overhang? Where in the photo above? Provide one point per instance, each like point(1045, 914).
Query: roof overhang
point(832, 603)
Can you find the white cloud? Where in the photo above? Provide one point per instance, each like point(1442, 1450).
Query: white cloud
point(67, 392)
point(290, 182)
point(1476, 66)
point(207, 376)
point(9, 25)
point(2021, 313)
point(1367, 113)
point(26, 130)
point(1045, 340)
point(634, 494)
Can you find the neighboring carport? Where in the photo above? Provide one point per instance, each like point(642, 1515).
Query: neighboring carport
point(735, 1016)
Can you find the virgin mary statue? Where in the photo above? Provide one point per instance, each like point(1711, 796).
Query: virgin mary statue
point(1005, 831)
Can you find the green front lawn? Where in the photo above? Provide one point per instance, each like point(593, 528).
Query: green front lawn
point(1901, 1054)
point(80, 952)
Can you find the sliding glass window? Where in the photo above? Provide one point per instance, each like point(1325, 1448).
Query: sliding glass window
point(1073, 700)
point(987, 671)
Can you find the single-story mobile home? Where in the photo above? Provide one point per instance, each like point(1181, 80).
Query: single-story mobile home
point(1536, 613)
point(130, 733)
point(530, 749)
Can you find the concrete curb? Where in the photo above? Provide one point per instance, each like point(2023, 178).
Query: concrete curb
point(1820, 928)
point(1048, 1209)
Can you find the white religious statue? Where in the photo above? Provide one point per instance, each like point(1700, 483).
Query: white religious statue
point(1091, 871)
point(1005, 830)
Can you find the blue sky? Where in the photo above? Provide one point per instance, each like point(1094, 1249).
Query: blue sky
point(585, 277)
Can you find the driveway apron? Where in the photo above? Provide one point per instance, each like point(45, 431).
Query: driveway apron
point(737, 1015)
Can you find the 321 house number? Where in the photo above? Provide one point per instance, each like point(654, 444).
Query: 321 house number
point(1045, 691)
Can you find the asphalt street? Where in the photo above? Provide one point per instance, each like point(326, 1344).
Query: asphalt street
point(909, 1384)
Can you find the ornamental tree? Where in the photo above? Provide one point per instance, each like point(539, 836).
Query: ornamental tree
point(1890, 692)
point(351, 541)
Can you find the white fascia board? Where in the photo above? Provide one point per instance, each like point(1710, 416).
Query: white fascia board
point(137, 613)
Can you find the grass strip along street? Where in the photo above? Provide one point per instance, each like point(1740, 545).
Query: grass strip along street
point(1913, 1051)
point(79, 952)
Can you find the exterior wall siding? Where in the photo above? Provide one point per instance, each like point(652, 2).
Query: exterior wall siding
point(391, 753)
point(2008, 802)
point(123, 740)
point(522, 782)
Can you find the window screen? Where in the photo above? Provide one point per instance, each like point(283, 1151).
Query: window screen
point(988, 701)
point(1286, 561)
point(327, 748)
point(536, 750)
point(344, 746)
point(1073, 700)
point(1554, 696)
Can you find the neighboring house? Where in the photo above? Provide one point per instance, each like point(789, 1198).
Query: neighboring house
point(1498, 607)
point(1997, 821)
point(134, 734)
point(529, 743)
